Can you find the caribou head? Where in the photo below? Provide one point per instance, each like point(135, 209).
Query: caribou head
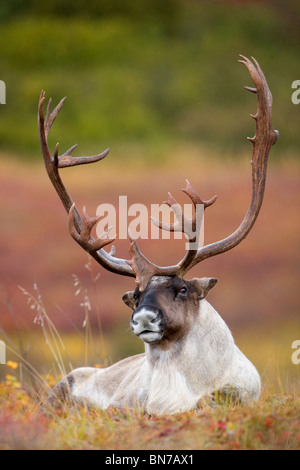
point(167, 308)
point(189, 351)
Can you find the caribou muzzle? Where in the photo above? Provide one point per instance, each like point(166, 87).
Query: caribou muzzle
point(149, 323)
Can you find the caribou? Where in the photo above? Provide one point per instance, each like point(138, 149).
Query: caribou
point(190, 353)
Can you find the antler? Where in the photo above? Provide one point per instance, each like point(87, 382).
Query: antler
point(80, 228)
point(263, 140)
point(139, 266)
point(265, 137)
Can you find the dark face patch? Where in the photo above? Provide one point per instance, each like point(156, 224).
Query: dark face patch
point(180, 300)
point(173, 288)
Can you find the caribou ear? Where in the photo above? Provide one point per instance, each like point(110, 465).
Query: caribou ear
point(203, 285)
point(128, 299)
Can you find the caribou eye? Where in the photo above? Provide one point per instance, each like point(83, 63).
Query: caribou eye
point(182, 293)
point(180, 290)
point(136, 294)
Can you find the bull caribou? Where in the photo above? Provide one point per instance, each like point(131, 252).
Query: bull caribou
point(189, 350)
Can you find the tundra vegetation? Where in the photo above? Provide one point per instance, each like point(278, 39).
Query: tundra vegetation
point(271, 423)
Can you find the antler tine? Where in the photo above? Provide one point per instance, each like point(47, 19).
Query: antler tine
point(195, 198)
point(84, 238)
point(50, 117)
point(177, 226)
point(80, 228)
point(183, 224)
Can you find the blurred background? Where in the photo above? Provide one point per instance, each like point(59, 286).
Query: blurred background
point(159, 83)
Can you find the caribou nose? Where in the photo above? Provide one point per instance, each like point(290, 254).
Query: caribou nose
point(145, 319)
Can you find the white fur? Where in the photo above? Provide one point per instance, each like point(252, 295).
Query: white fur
point(173, 380)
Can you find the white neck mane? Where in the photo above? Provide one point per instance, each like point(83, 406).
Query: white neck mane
point(177, 377)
